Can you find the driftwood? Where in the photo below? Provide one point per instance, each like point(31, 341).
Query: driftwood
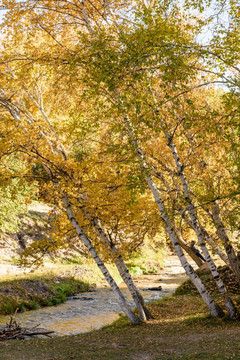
point(158, 288)
point(14, 331)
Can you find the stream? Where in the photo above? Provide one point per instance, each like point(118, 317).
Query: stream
point(92, 310)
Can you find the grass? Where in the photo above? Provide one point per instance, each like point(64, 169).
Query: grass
point(33, 290)
point(50, 284)
point(182, 330)
point(28, 293)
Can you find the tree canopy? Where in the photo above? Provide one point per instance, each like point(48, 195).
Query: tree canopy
point(109, 106)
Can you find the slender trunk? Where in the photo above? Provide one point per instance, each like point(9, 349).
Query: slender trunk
point(194, 219)
point(188, 249)
point(181, 241)
point(208, 238)
point(123, 270)
point(122, 301)
point(214, 309)
point(144, 313)
point(214, 246)
point(60, 149)
point(232, 257)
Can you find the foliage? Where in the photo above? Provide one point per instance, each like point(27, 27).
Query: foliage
point(15, 197)
point(106, 82)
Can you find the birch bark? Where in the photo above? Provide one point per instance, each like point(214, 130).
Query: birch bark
point(122, 301)
point(194, 219)
point(144, 313)
point(214, 246)
point(207, 238)
point(214, 309)
point(232, 257)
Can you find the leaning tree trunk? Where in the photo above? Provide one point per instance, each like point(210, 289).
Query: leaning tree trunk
point(14, 111)
point(214, 246)
point(144, 313)
point(181, 241)
point(207, 237)
point(214, 309)
point(123, 270)
point(232, 257)
point(122, 301)
point(231, 309)
point(188, 249)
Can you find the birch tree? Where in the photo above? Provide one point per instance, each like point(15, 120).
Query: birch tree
point(117, 57)
point(41, 144)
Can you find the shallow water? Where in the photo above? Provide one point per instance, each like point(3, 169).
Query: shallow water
point(92, 310)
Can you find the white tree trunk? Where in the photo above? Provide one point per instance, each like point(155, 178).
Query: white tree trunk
point(188, 249)
point(214, 309)
point(183, 244)
point(232, 257)
point(122, 301)
point(208, 238)
point(194, 219)
point(214, 246)
point(121, 266)
point(139, 301)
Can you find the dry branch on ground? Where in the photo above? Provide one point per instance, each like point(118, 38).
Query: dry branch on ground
point(13, 330)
